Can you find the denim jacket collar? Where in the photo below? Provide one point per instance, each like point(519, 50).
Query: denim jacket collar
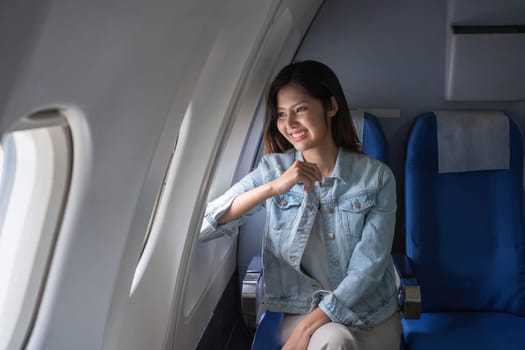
point(340, 171)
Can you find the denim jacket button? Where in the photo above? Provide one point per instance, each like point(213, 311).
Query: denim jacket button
point(330, 235)
point(283, 201)
point(330, 210)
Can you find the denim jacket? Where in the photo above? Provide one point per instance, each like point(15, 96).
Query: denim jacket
point(357, 205)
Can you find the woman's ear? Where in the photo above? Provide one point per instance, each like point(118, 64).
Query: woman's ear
point(333, 108)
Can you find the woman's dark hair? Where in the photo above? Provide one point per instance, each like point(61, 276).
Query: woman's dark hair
point(320, 82)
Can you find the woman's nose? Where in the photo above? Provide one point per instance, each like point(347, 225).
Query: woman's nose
point(291, 121)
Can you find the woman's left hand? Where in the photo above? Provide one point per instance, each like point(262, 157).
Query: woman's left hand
point(302, 333)
point(297, 341)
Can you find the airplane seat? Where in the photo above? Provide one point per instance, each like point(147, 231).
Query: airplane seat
point(465, 236)
point(267, 323)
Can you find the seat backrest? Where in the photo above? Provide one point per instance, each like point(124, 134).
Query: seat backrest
point(464, 230)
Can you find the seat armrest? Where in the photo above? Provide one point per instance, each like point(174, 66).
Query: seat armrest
point(409, 290)
point(251, 293)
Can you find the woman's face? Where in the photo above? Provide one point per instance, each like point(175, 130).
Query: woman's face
point(302, 119)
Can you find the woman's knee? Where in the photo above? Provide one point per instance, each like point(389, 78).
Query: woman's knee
point(333, 336)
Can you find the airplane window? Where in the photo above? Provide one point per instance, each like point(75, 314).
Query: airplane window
point(34, 180)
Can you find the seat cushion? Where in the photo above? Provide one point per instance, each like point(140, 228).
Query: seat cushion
point(267, 335)
point(465, 330)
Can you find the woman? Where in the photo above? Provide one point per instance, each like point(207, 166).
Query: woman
point(330, 214)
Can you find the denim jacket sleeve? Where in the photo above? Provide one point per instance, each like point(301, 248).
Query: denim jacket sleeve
point(369, 261)
point(210, 228)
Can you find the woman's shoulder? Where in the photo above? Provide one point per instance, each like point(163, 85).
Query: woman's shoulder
point(359, 159)
point(360, 163)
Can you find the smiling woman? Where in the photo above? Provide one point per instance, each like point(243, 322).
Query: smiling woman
point(330, 219)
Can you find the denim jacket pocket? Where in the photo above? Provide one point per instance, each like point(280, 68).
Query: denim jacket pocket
point(353, 211)
point(285, 209)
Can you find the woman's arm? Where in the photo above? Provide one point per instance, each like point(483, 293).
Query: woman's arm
point(246, 201)
point(222, 214)
point(304, 172)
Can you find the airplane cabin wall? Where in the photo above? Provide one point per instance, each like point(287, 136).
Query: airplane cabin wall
point(392, 55)
point(123, 73)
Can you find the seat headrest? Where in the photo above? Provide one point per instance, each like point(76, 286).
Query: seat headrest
point(472, 141)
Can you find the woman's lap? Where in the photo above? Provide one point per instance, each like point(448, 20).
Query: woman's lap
point(385, 336)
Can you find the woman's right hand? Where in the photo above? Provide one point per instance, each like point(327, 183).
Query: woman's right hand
point(300, 172)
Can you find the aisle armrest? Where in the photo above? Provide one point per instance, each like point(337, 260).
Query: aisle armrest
point(409, 290)
point(251, 293)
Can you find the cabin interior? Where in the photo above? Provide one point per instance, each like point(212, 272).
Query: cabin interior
point(157, 108)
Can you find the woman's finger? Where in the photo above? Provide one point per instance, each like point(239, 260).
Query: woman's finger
point(312, 170)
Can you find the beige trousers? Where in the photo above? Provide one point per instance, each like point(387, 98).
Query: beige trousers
point(336, 336)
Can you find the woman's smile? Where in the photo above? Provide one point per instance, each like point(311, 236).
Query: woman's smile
point(299, 135)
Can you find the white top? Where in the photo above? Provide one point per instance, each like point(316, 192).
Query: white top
point(314, 262)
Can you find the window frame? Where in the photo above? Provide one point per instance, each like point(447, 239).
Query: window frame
point(31, 236)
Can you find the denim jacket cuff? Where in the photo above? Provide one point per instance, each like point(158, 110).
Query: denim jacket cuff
point(338, 312)
point(210, 228)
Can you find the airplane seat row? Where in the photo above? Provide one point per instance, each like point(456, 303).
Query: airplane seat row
point(465, 238)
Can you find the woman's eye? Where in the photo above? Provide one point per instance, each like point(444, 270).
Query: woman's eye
point(300, 109)
point(281, 115)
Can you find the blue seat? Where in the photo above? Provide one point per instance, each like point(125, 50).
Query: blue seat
point(373, 139)
point(267, 335)
point(374, 145)
point(465, 241)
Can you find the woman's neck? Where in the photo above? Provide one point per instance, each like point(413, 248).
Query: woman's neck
point(324, 158)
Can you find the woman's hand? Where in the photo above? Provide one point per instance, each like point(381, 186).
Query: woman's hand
point(299, 172)
point(302, 333)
